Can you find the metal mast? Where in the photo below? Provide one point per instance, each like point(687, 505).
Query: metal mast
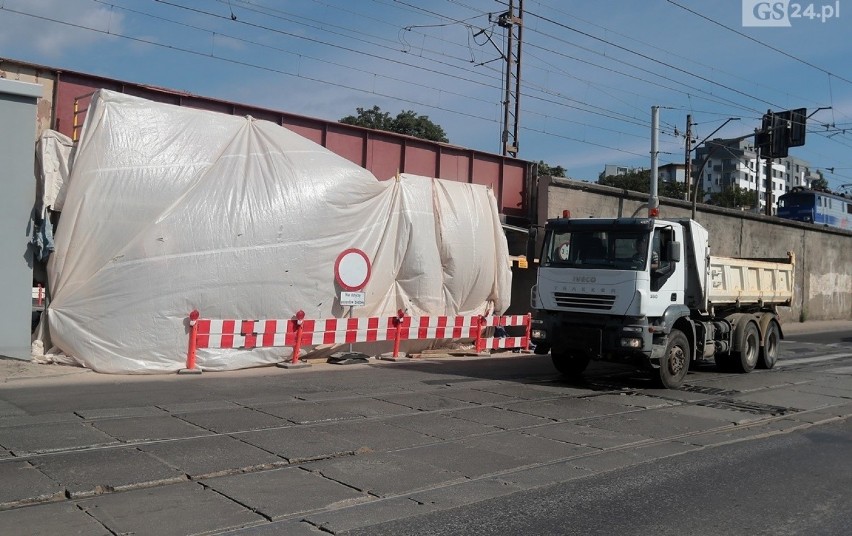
point(512, 100)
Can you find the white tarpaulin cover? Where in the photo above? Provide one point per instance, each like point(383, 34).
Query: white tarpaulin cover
point(171, 209)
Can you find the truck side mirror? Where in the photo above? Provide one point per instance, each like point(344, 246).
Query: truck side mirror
point(673, 251)
point(532, 239)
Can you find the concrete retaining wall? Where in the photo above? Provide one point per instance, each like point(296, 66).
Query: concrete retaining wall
point(823, 276)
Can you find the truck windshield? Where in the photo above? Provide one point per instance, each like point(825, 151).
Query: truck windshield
point(613, 250)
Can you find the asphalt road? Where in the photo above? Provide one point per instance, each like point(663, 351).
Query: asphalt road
point(799, 483)
point(498, 445)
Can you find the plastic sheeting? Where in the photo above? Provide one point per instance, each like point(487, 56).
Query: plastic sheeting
point(171, 209)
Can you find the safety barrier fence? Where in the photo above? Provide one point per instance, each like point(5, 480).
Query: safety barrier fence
point(38, 295)
point(299, 331)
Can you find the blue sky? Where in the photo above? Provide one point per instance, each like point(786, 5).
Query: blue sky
point(591, 69)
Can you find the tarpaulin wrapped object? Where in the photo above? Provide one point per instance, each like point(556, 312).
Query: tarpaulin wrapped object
point(170, 209)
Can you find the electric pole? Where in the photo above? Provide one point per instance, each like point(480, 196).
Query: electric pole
point(688, 158)
point(514, 26)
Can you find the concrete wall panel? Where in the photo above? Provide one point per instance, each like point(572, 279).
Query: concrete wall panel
point(823, 275)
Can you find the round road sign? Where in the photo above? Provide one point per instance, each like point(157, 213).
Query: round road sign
point(352, 269)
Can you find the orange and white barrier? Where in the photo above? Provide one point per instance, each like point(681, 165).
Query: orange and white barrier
point(299, 331)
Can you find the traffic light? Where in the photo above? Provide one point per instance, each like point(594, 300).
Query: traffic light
point(780, 131)
point(779, 136)
point(798, 124)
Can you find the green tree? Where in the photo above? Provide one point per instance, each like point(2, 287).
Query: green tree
point(546, 170)
point(637, 181)
point(640, 181)
point(406, 122)
point(819, 184)
point(734, 197)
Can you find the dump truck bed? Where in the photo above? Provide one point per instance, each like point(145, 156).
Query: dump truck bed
point(749, 281)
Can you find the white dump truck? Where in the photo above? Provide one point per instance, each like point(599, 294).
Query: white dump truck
point(647, 291)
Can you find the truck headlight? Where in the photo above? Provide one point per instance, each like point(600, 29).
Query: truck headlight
point(539, 334)
point(631, 342)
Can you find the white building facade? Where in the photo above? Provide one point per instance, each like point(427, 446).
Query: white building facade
point(736, 163)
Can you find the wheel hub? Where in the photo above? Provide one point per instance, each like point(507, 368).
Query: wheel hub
point(676, 361)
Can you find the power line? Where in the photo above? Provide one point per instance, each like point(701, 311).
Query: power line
point(759, 42)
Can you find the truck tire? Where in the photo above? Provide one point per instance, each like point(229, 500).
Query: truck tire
point(570, 365)
point(542, 349)
point(749, 347)
point(675, 362)
point(769, 353)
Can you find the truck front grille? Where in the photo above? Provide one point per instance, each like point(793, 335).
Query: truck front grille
point(599, 302)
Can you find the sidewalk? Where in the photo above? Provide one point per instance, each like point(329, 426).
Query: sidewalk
point(16, 370)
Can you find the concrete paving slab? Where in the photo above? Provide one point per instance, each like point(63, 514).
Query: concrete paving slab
point(233, 420)
point(300, 443)
point(93, 472)
point(823, 415)
point(10, 410)
point(739, 433)
point(108, 413)
point(475, 396)
point(383, 473)
point(469, 461)
point(521, 391)
point(501, 418)
point(148, 428)
point(607, 461)
point(755, 381)
point(5, 454)
point(23, 483)
point(690, 393)
point(588, 436)
point(284, 492)
point(721, 414)
point(633, 400)
point(440, 425)
point(301, 412)
point(48, 418)
point(664, 449)
point(465, 493)
point(207, 405)
point(837, 391)
point(544, 475)
point(425, 401)
point(55, 518)
point(212, 456)
point(376, 436)
point(175, 510)
point(793, 399)
point(280, 528)
point(567, 409)
point(372, 407)
point(526, 448)
point(39, 438)
point(368, 514)
point(657, 424)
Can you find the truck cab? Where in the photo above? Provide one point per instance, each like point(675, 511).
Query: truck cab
point(647, 292)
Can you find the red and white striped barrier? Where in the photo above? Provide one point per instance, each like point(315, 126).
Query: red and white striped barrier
point(299, 331)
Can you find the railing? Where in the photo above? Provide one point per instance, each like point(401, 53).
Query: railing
point(299, 331)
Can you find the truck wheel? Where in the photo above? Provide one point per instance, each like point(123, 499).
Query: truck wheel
point(570, 365)
point(769, 352)
point(748, 349)
point(675, 362)
point(542, 349)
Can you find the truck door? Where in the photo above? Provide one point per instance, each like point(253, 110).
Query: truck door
point(667, 276)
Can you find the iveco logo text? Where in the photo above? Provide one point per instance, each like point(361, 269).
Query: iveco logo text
point(584, 279)
point(780, 13)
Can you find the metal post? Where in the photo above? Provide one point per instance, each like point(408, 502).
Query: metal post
point(769, 188)
point(653, 200)
point(687, 164)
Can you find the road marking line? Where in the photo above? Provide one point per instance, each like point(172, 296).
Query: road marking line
point(801, 360)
